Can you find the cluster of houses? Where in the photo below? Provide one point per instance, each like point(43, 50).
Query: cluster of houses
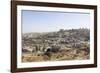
point(53, 42)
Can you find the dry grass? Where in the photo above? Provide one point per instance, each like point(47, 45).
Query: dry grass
point(61, 55)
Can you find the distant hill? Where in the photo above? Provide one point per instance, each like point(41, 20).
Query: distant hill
point(71, 34)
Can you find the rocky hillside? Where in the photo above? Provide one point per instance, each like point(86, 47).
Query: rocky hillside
point(55, 42)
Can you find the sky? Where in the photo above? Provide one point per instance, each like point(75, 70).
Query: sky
point(43, 21)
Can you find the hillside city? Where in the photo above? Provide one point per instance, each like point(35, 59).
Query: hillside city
point(69, 44)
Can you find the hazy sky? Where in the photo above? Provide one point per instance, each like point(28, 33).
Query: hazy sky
point(40, 21)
